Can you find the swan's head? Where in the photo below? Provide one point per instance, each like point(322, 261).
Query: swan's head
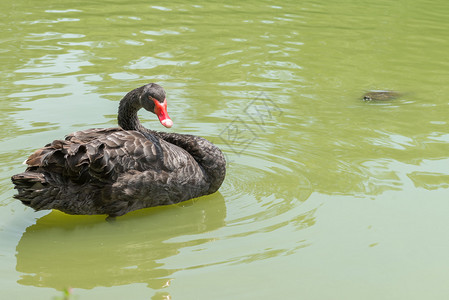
point(154, 100)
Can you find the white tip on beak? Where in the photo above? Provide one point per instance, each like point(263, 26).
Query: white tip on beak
point(167, 123)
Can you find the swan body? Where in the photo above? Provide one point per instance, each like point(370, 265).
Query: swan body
point(117, 170)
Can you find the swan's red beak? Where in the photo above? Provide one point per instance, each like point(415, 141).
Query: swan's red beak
point(160, 109)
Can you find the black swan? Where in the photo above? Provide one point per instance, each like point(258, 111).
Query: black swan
point(117, 170)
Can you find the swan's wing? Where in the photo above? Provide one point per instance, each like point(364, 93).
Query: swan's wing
point(85, 136)
point(103, 154)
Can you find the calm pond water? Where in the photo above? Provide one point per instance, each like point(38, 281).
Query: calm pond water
point(326, 196)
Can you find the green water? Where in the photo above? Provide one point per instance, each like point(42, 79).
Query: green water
point(326, 196)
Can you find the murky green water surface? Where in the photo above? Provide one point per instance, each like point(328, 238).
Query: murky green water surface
point(326, 196)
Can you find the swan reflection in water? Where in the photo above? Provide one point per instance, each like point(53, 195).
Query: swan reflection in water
point(62, 251)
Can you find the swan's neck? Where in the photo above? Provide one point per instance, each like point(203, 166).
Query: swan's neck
point(127, 112)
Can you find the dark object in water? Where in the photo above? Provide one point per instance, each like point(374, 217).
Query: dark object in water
point(381, 96)
point(117, 170)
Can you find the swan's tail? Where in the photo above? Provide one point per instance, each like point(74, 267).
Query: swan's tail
point(32, 190)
